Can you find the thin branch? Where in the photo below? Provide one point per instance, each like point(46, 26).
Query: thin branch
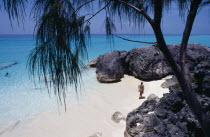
point(128, 4)
point(188, 28)
point(136, 40)
point(142, 11)
point(88, 20)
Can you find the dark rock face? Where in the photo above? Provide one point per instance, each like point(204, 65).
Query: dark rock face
point(109, 67)
point(170, 116)
point(146, 63)
point(196, 53)
point(202, 77)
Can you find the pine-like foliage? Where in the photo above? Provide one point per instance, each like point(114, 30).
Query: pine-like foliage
point(14, 8)
point(61, 44)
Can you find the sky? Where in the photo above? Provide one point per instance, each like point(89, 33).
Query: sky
point(171, 24)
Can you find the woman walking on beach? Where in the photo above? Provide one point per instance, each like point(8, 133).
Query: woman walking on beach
point(141, 90)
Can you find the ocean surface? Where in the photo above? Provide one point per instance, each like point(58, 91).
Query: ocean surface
point(20, 98)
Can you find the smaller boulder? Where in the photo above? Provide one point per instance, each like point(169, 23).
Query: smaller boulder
point(153, 97)
point(97, 134)
point(117, 117)
point(109, 67)
point(93, 63)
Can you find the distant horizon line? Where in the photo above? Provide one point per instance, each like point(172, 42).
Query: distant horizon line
point(123, 34)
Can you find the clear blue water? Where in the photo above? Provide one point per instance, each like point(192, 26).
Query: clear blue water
point(19, 98)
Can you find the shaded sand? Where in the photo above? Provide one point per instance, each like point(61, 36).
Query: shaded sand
point(91, 115)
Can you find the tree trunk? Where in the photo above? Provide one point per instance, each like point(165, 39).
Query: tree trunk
point(182, 74)
point(184, 82)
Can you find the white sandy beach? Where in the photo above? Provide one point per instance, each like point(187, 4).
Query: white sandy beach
point(91, 115)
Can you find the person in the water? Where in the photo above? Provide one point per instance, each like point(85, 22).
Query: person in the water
point(6, 74)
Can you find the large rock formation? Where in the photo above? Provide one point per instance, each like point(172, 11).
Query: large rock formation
point(110, 66)
point(145, 63)
point(170, 116)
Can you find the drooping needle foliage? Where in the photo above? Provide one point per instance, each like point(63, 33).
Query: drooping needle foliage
point(61, 44)
point(14, 8)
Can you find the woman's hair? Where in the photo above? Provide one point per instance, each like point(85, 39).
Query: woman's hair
point(141, 83)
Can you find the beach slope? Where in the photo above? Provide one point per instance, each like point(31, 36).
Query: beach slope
point(91, 115)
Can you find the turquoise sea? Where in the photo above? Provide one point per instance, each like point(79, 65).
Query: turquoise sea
point(21, 99)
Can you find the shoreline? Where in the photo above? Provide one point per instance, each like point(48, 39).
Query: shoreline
point(92, 115)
